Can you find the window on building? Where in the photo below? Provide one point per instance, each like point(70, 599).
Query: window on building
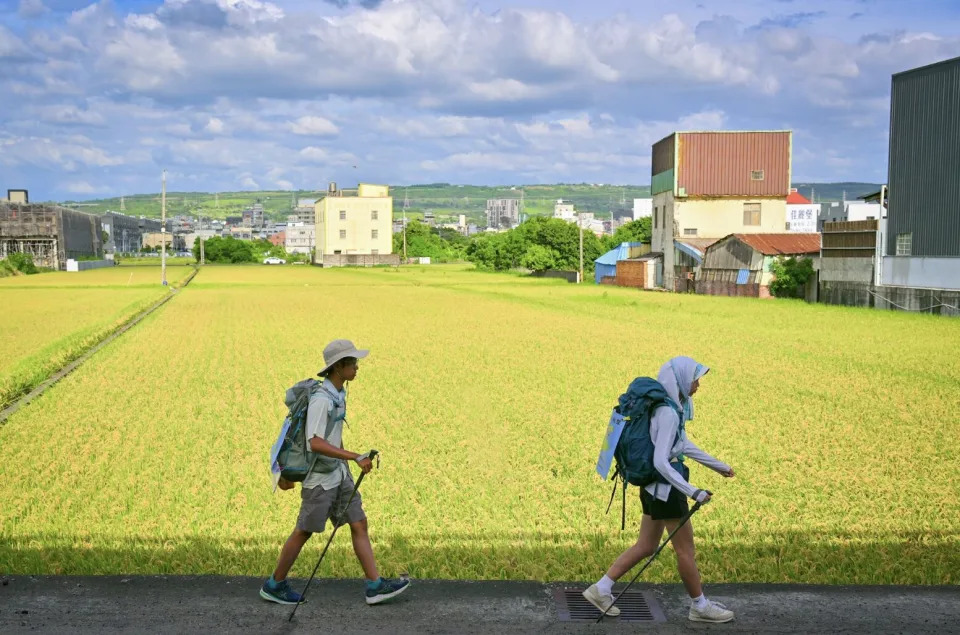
point(373, 215)
point(904, 244)
point(343, 214)
point(751, 213)
point(343, 234)
point(374, 252)
point(656, 217)
point(756, 175)
point(690, 231)
point(374, 233)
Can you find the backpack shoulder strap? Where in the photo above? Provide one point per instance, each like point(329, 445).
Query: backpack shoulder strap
point(332, 421)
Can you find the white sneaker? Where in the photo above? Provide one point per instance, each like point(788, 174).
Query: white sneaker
point(601, 601)
point(712, 612)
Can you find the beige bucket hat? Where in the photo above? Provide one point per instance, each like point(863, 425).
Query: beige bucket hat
point(340, 349)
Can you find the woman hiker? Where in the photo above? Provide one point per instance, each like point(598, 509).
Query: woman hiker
point(328, 487)
point(665, 503)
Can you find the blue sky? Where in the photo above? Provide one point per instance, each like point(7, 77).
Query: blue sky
point(250, 94)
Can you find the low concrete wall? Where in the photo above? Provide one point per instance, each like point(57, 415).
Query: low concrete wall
point(569, 276)
point(888, 297)
point(358, 260)
point(935, 301)
point(846, 293)
point(732, 289)
point(85, 265)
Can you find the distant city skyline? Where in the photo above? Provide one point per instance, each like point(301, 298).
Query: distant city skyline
point(246, 95)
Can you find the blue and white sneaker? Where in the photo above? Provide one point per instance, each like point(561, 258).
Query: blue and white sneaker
point(281, 593)
point(385, 590)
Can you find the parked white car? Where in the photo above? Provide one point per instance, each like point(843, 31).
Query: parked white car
point(273, 260)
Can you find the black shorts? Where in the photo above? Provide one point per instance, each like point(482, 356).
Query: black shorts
point(674, 508)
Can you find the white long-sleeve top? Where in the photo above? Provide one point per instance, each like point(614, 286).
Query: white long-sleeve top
point(663, 431)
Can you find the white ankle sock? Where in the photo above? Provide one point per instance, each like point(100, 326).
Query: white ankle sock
point(605, 585)
point(700, 602)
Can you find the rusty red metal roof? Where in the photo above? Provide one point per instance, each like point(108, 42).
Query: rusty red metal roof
point(782, 244)
point(720, 163)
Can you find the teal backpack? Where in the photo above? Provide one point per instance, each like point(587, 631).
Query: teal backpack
point(634, 451)
point(295, 459)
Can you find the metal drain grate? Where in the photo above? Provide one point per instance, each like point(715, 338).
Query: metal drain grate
point(635, 606)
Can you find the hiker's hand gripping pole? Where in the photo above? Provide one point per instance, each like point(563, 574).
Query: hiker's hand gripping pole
point(336, 525)
point(683, 521)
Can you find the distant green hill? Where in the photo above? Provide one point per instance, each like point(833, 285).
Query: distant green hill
point(444, 200)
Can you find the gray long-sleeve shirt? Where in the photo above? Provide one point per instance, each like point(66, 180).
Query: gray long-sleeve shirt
point(663, 433)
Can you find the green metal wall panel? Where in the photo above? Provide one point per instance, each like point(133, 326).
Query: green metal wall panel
point(662, 182)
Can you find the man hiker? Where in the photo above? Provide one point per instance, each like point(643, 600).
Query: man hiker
point(327, 489)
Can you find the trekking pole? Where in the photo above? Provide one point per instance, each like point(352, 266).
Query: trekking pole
point(336, 526)
point(683, 521)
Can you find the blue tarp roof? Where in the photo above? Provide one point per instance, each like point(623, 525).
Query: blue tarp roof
point(621, 252)
point(690, 250)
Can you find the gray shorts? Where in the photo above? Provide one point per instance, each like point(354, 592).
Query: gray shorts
point(318, 504)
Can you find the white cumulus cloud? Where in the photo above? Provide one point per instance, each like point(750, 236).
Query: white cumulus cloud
point(315, 126)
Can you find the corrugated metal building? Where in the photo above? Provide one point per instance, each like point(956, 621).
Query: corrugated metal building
point(739, 264)
point(606, 265)
point(723, 163)
point(848, 256)
point(923, 223)
point(707, 185)
point(49, 233)
point(124, 233)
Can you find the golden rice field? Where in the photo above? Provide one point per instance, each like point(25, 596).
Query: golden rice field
point(488, 396)
point(50, 319)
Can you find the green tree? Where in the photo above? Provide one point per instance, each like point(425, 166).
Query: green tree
point(22, 263)
point(482, 250)
point(790, 276)
point(503, 251)
point(425, 241)
point(539, 258)
point(226, 249)
point(636, 231)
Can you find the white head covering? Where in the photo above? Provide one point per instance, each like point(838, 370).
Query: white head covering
point(677, 377)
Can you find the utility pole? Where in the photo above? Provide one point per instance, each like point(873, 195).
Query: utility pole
point(406, 204)
point(163, 230)
point(580, 223)
point(200, 235)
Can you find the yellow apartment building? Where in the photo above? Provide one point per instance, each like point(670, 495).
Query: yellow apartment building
point(354, 223)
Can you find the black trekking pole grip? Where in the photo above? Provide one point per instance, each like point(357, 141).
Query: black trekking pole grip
point(683, 521)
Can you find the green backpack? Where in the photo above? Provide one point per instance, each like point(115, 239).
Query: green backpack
point(293, 457)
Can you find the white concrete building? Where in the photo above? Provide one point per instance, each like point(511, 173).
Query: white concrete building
point(564, 211)
point(301, 238)
point(642, 208)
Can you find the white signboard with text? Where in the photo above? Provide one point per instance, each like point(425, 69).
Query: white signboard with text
point(802, 219)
